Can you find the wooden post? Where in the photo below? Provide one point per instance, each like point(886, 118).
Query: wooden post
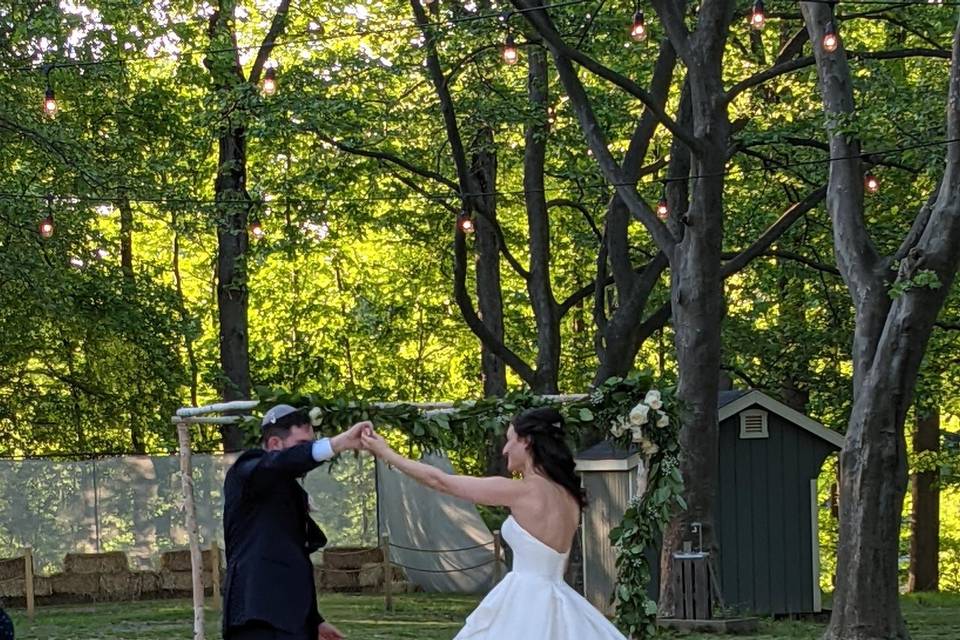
point(215, 575)
point(496, 557)
point(196, 559)
point(28, 580)
point(387, 574)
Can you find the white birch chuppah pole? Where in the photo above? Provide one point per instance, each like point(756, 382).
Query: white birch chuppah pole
point(184, 418)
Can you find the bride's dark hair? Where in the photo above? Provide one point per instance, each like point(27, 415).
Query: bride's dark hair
point(543, 428)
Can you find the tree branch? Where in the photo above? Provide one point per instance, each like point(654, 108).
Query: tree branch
point(540, 21)
point(573, 204)
point(857, 257)
point(387, 157)
point(774, 231)
point(266, 48)
point(789, 66)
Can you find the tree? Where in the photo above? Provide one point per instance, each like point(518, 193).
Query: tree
point(232, 197)
point(897, 298)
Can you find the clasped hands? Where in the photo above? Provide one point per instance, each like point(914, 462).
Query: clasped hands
point(360, 437)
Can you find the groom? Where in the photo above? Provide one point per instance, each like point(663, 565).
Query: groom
point(269, 591)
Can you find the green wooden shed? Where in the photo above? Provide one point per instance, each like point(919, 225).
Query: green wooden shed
point(770, 459)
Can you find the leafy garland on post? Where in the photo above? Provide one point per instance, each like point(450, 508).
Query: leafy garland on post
point(630, 411)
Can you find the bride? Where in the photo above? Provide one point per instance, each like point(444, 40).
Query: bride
point(532, 602)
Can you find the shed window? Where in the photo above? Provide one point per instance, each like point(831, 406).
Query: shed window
point(753, 424)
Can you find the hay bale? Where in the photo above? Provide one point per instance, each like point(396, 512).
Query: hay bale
point(182, 580)
point(371, 575)
point(120, 586)
point(79, 584)
point(108, 562)
point(149, 582)
point(12, 568)
point(179, 560)
point(42, 586)
point(350, 557)
point(339, 581)
point(175, 580)
point(12, 588)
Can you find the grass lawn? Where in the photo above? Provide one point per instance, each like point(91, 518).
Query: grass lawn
point(419, 616)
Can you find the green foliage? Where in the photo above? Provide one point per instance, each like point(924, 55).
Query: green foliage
point(922, 279)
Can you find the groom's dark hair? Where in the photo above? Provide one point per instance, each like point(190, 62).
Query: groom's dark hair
point(543, 428)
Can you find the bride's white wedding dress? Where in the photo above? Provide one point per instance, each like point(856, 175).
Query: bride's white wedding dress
point(532, 602)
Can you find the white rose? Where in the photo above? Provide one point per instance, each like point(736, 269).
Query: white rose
point(636, 433)
point(638, 415)
point(316, 416)
point(663, 421)
point(649, 448)
point(652, 399)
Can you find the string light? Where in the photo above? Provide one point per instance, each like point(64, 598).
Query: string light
point(77, 263)
point(551, 114)
point(465, 222)
point(256, 229)
point(269, 85)
point(99, 199)
point(663, 208)
point(870, 183)
point(509, 52)
point(638, 31)
point(757, 17)
point(50, 107)
point(46, 225)
point(830, 38)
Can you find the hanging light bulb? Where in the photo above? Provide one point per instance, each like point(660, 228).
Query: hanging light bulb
point(256, 229)
point(663, 209)
point(830, 38)
point(50, 107)
point(638, 31)
point(551, 114)
point(77, 263)
point(269, 86)
point(757, 17)
point(465, 222)
point(50, 103)
point(46, 226)
point(870, 183)
point(509, 51)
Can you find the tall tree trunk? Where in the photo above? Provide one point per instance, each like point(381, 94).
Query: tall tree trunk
point(925, 528)
point(233, 201)
point(233, 204)
point(489, 291)
point(126, 267)
point(182, 310)
point(697, 300)
point(544, 303)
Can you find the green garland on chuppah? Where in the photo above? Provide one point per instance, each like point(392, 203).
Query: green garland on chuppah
point(630, 411)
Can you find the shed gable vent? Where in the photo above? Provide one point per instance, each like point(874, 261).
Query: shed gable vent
point(753, 424)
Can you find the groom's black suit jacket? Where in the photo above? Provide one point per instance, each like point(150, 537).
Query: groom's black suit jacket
point(269, 537)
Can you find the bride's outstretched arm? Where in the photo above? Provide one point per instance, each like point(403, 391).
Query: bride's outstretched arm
point(493, 491)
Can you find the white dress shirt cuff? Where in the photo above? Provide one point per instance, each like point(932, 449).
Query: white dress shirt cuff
point(322, 449)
